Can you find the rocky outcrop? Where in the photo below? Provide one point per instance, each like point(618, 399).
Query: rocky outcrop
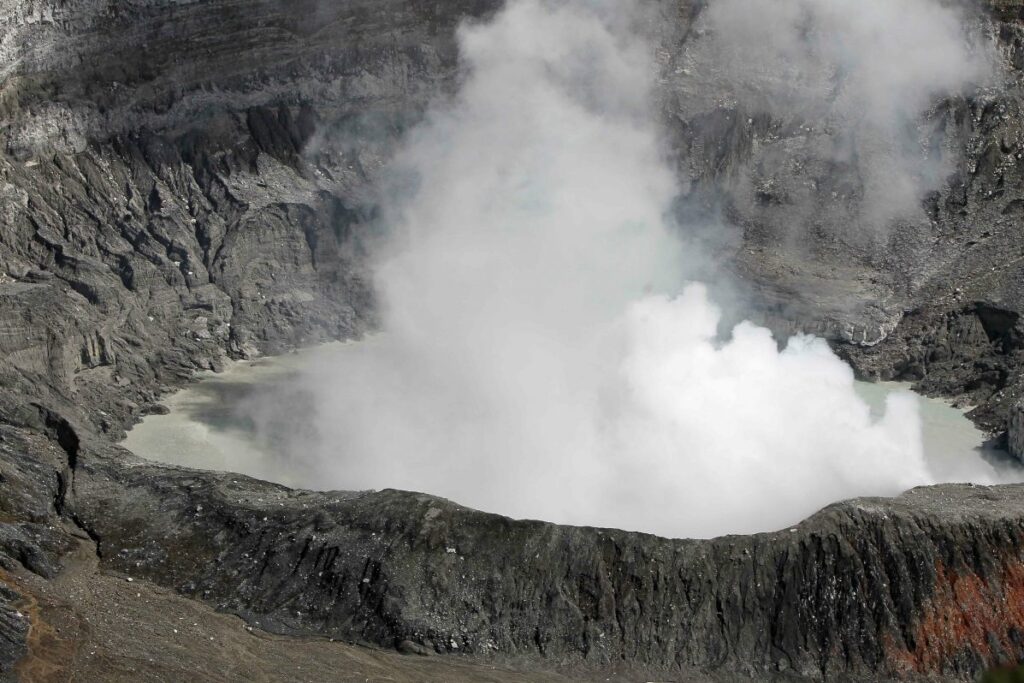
point(972, 353)
point(924, 586)
point(1015, 433)
point(929, 584)
point(187, 181)
point(13, 632)
point(151, 156)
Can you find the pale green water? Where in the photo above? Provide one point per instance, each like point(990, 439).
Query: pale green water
point(216, 424)
point(953, 446)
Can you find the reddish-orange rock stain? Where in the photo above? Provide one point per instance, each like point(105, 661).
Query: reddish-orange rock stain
point(964, 613)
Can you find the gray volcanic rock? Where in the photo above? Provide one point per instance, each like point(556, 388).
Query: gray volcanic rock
point(182, 182)
point(225, 176)
point(1015, 433)
point(14, 627)
point(926, 584)
point(188, 180)
point(972, 352)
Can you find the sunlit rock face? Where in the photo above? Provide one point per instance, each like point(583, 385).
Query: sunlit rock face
point(364, 72)
point(216, 125)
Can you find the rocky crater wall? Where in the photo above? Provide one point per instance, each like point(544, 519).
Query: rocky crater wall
point(183, 182)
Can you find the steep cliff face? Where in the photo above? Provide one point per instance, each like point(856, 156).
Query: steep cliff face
point(194, 136)
point(186, 181)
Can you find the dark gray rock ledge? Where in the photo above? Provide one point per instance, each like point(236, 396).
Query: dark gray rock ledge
point(929, 584)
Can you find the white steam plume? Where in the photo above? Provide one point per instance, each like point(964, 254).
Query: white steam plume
point(846, 82)
point(541, 354)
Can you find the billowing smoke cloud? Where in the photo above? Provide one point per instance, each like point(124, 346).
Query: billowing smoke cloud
point(542, 355)
point(845, 83)
point(524, 370)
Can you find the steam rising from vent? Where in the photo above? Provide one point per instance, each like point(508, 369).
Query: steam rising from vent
point(542, 354)
point(855, 76)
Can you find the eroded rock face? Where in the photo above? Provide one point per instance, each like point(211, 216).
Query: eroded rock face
point(185, 182)
point(14, 625)
point(1015, 433)
point(927, 584)
point(219, 181)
